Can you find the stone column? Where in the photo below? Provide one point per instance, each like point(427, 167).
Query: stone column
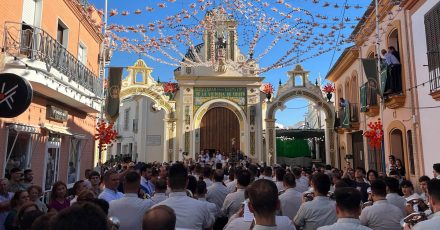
point(270, 136)
point(170, 152)
point(328, 140)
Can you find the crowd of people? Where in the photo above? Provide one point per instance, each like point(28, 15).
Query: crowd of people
point(211, 194)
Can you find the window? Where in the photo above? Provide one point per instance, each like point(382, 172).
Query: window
point(139, 77)
point(118, 149)
point(82, 53)
point(52, 161)
point(62, 33)
point(432, 30)
point(126, 118)
point(135, 125)
point(18, 153)
point(73, 171)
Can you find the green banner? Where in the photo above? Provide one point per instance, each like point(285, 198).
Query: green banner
point(292, 148)
point(363, 97)
point(113, 88)
point(383, 77)
point(370, 68)
point(345, 117)
point(233, 94)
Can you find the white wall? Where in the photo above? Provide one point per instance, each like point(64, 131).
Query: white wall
point(428, 117)
point(150, 124)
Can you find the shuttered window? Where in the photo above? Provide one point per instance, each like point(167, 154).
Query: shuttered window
point(432, 30)
point(28, 15)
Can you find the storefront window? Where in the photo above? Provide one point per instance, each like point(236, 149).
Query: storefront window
point(18, 151)
point(52, 161)
point(73, 169)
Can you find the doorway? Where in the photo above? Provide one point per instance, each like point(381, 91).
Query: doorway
point(357, 142)
point(220, 130)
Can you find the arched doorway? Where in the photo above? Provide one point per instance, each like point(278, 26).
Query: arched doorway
point(219, 130)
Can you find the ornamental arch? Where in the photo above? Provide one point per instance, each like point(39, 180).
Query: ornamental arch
point(287, 92)
point(146, 86)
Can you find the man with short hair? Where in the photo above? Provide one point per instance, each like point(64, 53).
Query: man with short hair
point(111, 182)
point(130, 208)
point(291, 199)
point(83, 215)
point(5, 198)
point(233, 201)
point(279, 174)
point(381, 215)
point(160, 193)
point(28, 178)
point(190, 213)
point(393, 196)
point(436, 170)
point(232, 183)
point(423, 184)
point(301, 182)
point(95, 181)
point(321, 210)
point(16, 184)
point(348, 209)
point(207, 171)
point(361, 184)
point(200, 194)
point(217, 192)
point(434, 201)
point(267, 173)
point(146, 185)
point(160, 217)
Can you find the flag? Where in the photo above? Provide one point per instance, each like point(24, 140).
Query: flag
point(113, 90)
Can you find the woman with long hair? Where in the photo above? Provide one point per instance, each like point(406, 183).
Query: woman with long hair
point(372, 175)
point(19, 199)
point(58, 197)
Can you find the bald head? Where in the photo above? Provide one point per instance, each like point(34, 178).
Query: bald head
point(159, 218)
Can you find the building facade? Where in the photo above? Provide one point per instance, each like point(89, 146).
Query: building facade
point(409, 132)
point(56, 48)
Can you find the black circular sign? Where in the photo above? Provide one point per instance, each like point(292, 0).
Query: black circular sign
point(15, 95)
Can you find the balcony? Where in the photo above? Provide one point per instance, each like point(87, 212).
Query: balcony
point(33, 44)
point(434, 74)
point(347, 118)
point(368, 100)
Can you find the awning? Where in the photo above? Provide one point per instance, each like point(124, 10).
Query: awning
point(23, 128)
point(56, 129)
point(80, 136)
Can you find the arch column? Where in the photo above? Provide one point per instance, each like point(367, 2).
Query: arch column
point(271, 147)
point(170, 152)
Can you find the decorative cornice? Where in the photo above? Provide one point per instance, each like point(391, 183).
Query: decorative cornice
point(96, 34)
point(344, 62)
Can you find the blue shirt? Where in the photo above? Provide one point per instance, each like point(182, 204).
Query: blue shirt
point(109, 195)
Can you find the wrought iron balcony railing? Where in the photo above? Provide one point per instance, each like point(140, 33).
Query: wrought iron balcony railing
point(22, 40)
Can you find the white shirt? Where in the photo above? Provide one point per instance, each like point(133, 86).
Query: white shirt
point(233, 202)
point(159, 197)
point(319, 212)
point(432, 223)
point(280, 186)
point(217, 193)
point(282, 222)
point(290, 202)
point(302, 185)
point(109, 195)
point(129, 210)
point(211, 206)
point(208, 182)
point(231, 186)
point(390, 59)
point(412, 197)
point(381, 216)
point(345, 224)
point(397, 200)
point(190, 213)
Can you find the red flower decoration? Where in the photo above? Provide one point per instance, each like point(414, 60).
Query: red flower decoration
point(374, 134)
point(106, 134)
point(170, 87)
point(267, 88)
point(329, 88)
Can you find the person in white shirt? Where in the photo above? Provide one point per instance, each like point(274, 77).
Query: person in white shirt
point(231, 185)
point(302, 184)
point(408, 190)
point(423, 184)
point(111, 181)
point(190, 213)
point(238, 223)
point(393, 196)
point(233, 201)
point(130, 209)
point(348, 209)
point(160, 193)
point(381, 215)
point(207, 173)
point(267, 173)
point(291, 199)
point(279, 174)
point(321, 210)
point(434, 200)
point(264, 203)
point(160, 217)
point(217, 192)
point(200, 195)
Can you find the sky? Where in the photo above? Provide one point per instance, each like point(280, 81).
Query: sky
point(318, 66)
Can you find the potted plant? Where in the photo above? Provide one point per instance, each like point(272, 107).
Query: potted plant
point(329, 89)
point(170, 88)
point(267, 89)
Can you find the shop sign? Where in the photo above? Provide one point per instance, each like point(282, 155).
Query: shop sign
point(15, 95)
point(233, 94)
point(56, 113)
